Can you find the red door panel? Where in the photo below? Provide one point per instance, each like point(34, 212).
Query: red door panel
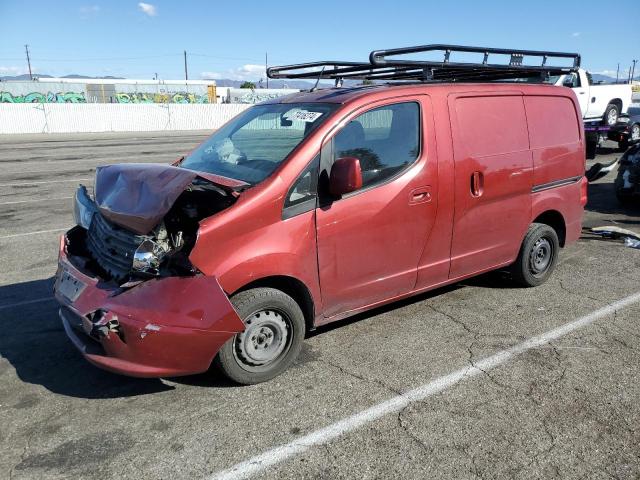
point(369, 243)
point(493, 181)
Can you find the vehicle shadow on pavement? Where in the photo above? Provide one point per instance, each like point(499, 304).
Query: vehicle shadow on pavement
point(602, 199)
point(33, 341)
point(394, 306)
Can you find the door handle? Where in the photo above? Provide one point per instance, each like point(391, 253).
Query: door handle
point(581, 93)
point(420, 195)
point(477, 184)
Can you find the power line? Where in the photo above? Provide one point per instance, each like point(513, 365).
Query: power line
point(40, 59)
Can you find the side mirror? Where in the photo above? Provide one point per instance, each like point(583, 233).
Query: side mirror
point(345, 177)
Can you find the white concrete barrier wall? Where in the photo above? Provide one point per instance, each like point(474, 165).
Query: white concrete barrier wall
point(97, 117)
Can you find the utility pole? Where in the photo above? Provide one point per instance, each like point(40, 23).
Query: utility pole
point(633, 70)
point(618, 72)
point(186, 73)
point(26, 48)
point(266, 65)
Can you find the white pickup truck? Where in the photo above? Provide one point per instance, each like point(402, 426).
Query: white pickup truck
point(598, 101)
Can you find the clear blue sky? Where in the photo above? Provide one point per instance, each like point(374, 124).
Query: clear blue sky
point(228, 39)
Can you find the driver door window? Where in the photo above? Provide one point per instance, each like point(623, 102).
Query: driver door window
point(385, 140)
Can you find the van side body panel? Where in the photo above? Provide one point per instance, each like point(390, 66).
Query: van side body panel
point(490, 141)
point(557, 145)
point(434, 263)
point(251, 241)
point(556, 138)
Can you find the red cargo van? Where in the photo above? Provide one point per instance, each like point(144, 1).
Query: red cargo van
point(313, 207)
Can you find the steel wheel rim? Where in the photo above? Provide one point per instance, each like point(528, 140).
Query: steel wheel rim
point(635, 132)
point(540, 257)
point(265, 340)
point(612, 117)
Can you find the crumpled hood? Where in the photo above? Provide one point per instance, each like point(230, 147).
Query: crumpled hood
point(138, 195)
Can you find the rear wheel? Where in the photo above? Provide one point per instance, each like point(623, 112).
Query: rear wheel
point(271, 341)
point(538, 256)
point(611, 115)
point(634, 133)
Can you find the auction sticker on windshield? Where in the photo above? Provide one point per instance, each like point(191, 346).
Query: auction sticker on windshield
point(304, 116)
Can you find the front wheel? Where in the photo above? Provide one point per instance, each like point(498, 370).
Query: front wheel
point(611, 115)
point(271, 341)
point(538, 256)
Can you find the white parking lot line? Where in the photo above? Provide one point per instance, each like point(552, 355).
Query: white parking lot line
point(13, 235)
point(23, 184)
point(36, 200)
point(279, 454)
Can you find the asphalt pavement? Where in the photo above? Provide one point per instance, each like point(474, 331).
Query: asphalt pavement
point(566, 408)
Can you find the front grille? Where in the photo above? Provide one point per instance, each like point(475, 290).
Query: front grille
point(112, 247)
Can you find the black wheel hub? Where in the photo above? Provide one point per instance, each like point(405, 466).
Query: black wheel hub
point(540, 257)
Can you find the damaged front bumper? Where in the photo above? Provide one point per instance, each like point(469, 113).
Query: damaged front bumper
point(166, 326)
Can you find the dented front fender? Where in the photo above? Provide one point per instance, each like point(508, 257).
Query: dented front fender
point(162, 327)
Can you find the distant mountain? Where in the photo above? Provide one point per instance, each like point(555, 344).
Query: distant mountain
point(22, 77)
point(606, 79)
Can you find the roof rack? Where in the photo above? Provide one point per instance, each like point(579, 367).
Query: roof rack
point(383, 66)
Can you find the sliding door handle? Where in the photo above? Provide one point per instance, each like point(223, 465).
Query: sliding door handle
point(477, 184)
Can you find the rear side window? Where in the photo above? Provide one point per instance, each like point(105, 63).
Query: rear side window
point(385, 139)
point(552, 121)
point(492, 125)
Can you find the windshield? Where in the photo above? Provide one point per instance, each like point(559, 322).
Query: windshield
point(252, 145)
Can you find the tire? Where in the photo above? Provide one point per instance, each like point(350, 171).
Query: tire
point(537, 257)
point(611, 115)
point(623, 145)
point(591, 148)
point(618, 184)
point(271, 341)
point(624, 200)
point(634, 133)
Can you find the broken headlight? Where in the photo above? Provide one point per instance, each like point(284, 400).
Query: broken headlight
point(150, 253)
point(147, 257)
point(83, 208)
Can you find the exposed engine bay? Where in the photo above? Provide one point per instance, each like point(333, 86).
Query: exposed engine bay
point(113, 240)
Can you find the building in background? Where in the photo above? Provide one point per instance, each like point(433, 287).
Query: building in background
point(107, 90)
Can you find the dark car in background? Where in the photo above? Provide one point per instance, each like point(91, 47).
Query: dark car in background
point(627, 131)
point(627, 183)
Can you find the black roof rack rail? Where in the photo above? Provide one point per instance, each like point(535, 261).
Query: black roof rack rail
point(382, 66)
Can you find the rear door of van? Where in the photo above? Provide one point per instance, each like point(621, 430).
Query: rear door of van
point(493, 179)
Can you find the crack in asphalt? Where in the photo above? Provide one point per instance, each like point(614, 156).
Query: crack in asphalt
point(475, 333)
point(23, 455)
point(373, 381)
point(404, 426)
point(578, 294)
point(620, 327)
